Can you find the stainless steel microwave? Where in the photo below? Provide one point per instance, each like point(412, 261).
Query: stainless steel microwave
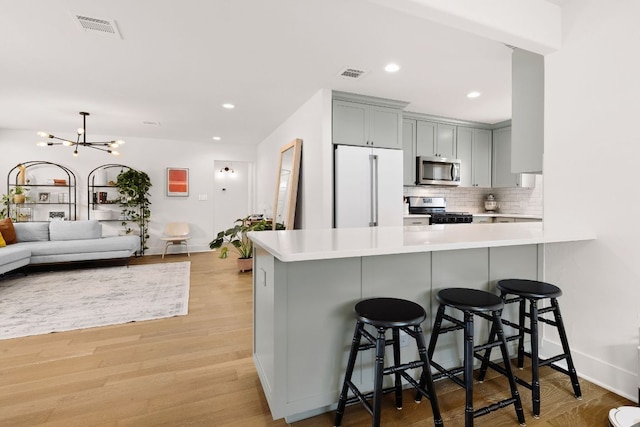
point(437, 171)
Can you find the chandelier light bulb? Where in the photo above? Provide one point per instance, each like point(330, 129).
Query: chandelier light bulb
point(41, 144)
point(120, 142)
point(67, 143)
point(75, 153)
point(80, 131)
point(42, 134)
point(113, 152)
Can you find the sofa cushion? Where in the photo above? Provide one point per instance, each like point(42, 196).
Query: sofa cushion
point(32, 231)
point(7, 230)
point(2, 242)
point(74, 230)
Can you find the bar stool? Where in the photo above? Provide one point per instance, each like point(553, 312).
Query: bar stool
point(534, 291)
point(488, 306)
point(397, 315)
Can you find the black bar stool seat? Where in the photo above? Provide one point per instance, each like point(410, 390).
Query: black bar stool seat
point(472, 302)
point(383, 314)
point(533, 291)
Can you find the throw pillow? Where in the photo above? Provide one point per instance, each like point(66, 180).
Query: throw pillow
point(2, 242)
point(8, 232)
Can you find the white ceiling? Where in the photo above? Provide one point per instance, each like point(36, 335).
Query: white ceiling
point(178, 61)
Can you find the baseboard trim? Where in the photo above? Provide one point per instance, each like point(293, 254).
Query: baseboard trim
point(613, 378)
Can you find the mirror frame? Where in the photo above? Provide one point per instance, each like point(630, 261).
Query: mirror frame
point(292, 190)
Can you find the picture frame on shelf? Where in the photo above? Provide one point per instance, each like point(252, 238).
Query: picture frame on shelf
point(178, 182)
point(43, 197)
point(56, 216)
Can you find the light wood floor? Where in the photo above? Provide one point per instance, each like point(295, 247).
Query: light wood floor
point(197, 370)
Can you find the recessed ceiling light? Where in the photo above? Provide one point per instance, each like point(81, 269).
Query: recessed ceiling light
point(392, 68)
point(473, 94)
point(228, 106)
point(216, 138)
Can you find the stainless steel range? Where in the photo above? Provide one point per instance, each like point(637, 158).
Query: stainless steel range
point(437, 208)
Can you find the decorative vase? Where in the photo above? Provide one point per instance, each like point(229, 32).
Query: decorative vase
point(18, 198)
point(245, 264)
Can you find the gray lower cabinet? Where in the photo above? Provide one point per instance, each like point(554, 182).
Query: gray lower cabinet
point(435, 139)
point(474, 151)
point(304, 322)
point(366, 125)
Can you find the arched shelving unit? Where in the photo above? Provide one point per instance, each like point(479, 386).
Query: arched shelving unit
point(102, 193)
point(51, 192)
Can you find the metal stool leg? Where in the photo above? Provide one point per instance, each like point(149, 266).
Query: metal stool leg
point(396, 362)
point(487, 353)
point(521, 320)
point(507, 366)
point(437, 324)
point(377, 384)
point(426, 378)
point(468, 368)
point(535, 358)
point(353, 354)
point(565, 348)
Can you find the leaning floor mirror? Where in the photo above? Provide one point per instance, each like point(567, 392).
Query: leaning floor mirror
point(284, 206)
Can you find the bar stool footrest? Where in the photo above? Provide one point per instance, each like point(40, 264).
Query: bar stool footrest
point(494, 407)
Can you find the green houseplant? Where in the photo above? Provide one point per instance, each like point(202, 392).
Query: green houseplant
point(236, 237)
point(133, 187)
point(7, 199)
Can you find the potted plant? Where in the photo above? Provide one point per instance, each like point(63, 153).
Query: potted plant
point(19, 194)
point(133, 187)
point(236, 237)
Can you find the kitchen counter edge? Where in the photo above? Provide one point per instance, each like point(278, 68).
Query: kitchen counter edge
point(317, 244)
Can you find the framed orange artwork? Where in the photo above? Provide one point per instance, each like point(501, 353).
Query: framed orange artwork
point(177, 182)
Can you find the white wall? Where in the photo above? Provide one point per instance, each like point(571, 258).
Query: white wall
point(149, 155)
point(311, 123)
point(591, 178)
point(233, 192)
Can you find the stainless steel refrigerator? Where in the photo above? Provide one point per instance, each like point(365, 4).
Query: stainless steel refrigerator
point(367, 187)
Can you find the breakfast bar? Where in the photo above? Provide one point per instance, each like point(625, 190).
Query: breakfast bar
point(306, 283)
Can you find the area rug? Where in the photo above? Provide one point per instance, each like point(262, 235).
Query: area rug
point(41, 303)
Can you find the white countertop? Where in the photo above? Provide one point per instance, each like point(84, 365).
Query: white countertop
point(306, 245)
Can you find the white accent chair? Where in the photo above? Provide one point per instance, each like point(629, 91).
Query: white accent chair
point(176, 233)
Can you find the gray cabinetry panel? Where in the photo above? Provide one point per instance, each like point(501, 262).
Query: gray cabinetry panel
point(350, 123)
point(409, 151)
point(366, 125)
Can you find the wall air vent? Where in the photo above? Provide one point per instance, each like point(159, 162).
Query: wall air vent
point(352, 73)
point(106, 27)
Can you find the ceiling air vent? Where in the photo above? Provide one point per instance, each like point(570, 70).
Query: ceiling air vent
point(106, 27)
point(352, 73)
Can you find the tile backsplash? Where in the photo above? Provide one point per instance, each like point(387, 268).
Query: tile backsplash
point(470, 199)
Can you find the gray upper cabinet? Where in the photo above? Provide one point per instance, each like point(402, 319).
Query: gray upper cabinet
point(366, 125)
point(474, 151)
point(435, 139)
point(502, 175)
point(409, 151)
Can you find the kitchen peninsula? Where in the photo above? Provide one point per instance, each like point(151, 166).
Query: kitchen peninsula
point(306, 283)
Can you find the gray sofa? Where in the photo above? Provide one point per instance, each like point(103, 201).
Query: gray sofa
point(64, 241)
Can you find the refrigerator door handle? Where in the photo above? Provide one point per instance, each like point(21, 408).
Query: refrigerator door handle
point(373, 163)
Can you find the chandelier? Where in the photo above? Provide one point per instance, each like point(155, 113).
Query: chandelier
point(106, 146)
